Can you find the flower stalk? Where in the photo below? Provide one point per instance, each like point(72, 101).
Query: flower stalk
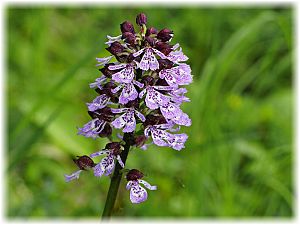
point(115, 181)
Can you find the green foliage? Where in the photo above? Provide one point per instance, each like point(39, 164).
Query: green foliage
point(238, 158)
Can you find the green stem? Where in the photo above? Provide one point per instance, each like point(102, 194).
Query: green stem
point(115, 181)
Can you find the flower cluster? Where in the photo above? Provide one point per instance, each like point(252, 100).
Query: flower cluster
point(140, 91)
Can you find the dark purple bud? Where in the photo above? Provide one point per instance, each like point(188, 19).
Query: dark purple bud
point(165, 64)
point(163, 47)
point(165, 34)
point(115, 48)
point(151, 30)
point(129, 38)
point(115, 147)
point(150, 40)
point(154, 120)
point(106, 72)
point(84, 162)
point(107, 131)
point(162, 82)
point(140, 140)
point(134, 174)
point(107, 89)
point(130, 58)
point(148, 80)
point(133, 103)
point(103, 114)
point(127, 27)
point(141, 19)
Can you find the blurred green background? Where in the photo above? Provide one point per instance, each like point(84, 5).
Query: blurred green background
point(238, 160)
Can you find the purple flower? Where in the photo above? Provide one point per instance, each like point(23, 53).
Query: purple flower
point(177, 56)
point(98, 103)
point(83, 162)
point(126, 75)
point(149, 60)
point(92, 128)
point(179, 75)
point(129, 93)
point(127, 120)
point(154, 99)
point(165, 35)
point(162, 138)
point(107, 164)
point(138, 194)
point(172, 112)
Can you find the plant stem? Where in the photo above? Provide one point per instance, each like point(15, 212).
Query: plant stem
point(115, 181)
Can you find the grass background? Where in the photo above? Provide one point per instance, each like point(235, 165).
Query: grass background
point(238, 160)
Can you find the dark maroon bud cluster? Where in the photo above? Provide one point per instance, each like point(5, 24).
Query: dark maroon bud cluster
point(115, 147)
point(134, 174)
point(84, 162)
point(141, 19)
point(129, 38)
point(115, 48)
point(154, 120)
point(106, 132)
point(140, 140)
point(151, 30)
point(165, 34)
point(127, 27)
point(163, 47)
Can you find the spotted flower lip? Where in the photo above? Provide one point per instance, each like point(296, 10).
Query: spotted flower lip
point(127, 120)
point(138, 194)
point(162, 138)
point(154, 99)
point(107, 164)
point(126, 75)
point(149, 60)
point(179, 75)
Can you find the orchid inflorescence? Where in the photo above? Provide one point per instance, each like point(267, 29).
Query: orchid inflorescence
point(140, 93)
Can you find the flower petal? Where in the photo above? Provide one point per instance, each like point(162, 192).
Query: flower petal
point(130, 122)
point(103, 61)
point(154, 98)
point(98, 103)
point(138, 194)
point(176, 141)
point(95, 154)
point(160, 54)
point(98, 170)
point(108, 164)
point(117, 66)
point(138, 52)
point(144, 63)
point(92, 128)
point(153, 63)
point(158, 136)
point(129, 93)
point(119, 122)
point(73, 176)
point(129, 184)
point(124, 76)
point(98, 82)
point(140, 115)
point(147, 185)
